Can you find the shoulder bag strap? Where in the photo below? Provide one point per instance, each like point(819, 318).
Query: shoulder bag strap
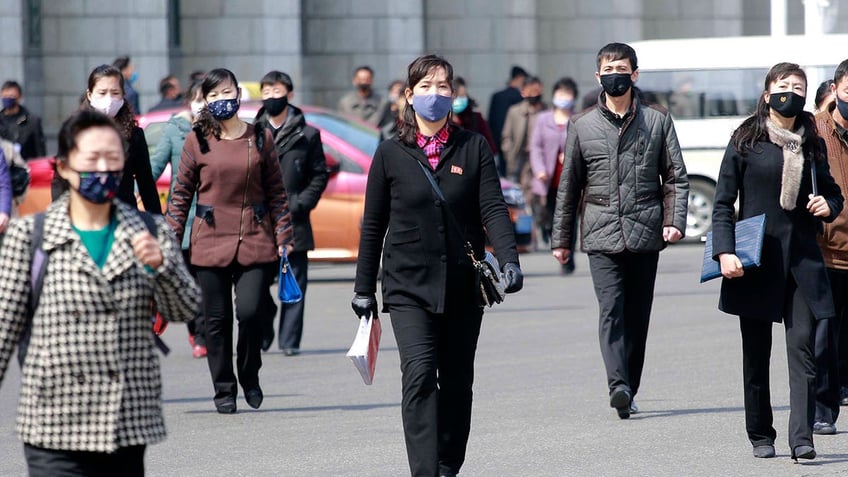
point(469, 250)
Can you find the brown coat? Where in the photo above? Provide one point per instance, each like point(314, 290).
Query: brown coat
point(242, 207)
point(515, 138)
point(834, 241)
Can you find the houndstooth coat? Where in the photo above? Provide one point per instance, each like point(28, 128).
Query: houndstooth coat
point(90, 379)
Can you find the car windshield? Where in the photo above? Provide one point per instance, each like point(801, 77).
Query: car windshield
point(357, 135)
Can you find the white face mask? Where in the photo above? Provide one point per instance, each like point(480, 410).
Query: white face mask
point(107, 105)
point(196, 106)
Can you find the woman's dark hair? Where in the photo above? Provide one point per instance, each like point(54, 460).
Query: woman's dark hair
point(566, 84)
point(753, 129)
point(76, 123)
point(417, 70)
point(125, 119)
point(822, 92)
point(205, 124)
point(192, 91)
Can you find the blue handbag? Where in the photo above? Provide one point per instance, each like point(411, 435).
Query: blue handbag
point(288, 290)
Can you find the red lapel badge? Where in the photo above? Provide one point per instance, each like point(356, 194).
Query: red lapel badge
point(456, 170)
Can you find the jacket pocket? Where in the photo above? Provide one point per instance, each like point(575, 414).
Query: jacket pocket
point(205, 213)
point(260, 212)
point(593, 199)
point(648, 196)
point(406, 236)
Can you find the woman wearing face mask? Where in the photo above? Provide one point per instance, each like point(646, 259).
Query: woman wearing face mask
point(168, 151)
point(428, 281)
point(242, 224)
point(91, 389)
point(547, 148)
point(105, 94)
point(465, 116)
point(768, 166)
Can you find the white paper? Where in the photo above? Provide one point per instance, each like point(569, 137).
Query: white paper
point(366, 344)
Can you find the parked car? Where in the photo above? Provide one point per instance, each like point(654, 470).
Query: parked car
point(349, 146)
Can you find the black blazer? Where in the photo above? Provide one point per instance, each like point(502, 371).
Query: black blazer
point(789, 248)
point(136, 170)
point(422, 255)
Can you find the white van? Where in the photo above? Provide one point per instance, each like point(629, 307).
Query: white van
point(711, 85)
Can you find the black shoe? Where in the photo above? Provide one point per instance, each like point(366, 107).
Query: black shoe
point(254, 397)
point(226, 407)
point(266, 343)
point(843, 396)
point(291, 351)
point(803, 452)
point(764, 452)
point(824, 428)
point(620, 400)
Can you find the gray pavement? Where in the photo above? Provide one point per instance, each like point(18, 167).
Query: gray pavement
point(540, 395)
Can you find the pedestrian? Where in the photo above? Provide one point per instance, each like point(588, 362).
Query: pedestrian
point(824, 96)
point(547, 152)
point(831, 348)
point(20, 125)
point(168, 152)
point(499, 104)
point(14, 160)
point(5, 193)
point(465, 114)
point(428, 282)
point(623, 164)
point(391, 110)
point(130, 75)
point(238, 234)
point(105, 93)
point(301, 157)
point(362, 103)
point(91, 398)
point(171, 93)
point(767, 167)
point(517, 131)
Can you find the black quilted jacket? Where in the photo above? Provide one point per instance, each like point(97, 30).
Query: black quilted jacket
point(630, 176)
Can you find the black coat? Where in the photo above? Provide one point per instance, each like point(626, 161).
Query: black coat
point(304, 167)
point(25, 129)
point(422, 253)
point(136, 170)
point(790, 244)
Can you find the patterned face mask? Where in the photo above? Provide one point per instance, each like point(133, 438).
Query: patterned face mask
point(99, 187)
point(224, 109)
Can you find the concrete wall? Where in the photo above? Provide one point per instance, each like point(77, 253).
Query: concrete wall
point(12, 46)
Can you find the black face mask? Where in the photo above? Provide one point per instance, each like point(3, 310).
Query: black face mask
point(787, 104)
point(616, 84)
point(534, 99)
point(275, 106)
point(364, 87)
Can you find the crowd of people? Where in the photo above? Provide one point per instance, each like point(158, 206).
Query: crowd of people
point(433, 200)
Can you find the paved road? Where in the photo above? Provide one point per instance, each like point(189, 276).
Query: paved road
point(540, 410)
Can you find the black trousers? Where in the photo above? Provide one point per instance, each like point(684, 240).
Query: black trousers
point(624, 286)
point(197, 325)
point(800, 324)
point(437, 365)
point(126, 462)
point(251, 291)
point(830, 353)
point(291, 316)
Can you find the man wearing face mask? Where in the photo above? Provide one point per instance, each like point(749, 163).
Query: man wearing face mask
point(130, 75)
point(623, 161)
point(19, 125)
point(831, 347)
point(363, 102)
point(517, 131)
point(304, 167)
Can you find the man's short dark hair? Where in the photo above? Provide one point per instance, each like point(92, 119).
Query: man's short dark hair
point(617, 51)
point(166, 84)
point(277, 77)
point(363, 68)
point(566, 84)
point(528, 80)
point(121, 62)
point(517, 72)
point(12, 84)
point(822, 91)
point(196, 75)
point(841, 72)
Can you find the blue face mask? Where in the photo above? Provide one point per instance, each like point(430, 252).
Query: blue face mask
point(133, 77)
point(563, 104)
point(459, 104)
point(9, 103)
point(223, 109)
point(432, 107)
point(99, 187)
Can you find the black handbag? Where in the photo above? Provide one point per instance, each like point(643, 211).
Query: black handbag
point(489, 279)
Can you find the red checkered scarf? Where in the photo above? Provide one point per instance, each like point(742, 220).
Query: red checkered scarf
point(433, 145)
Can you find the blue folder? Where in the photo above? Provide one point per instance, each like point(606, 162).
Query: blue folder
point(749, 246)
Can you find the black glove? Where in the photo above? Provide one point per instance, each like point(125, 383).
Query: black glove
point(364, 305)
point(513, 276)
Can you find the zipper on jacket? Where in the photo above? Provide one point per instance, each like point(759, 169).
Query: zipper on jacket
point(244, 194)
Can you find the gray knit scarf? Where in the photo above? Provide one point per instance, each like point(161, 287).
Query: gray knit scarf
point(793, 161)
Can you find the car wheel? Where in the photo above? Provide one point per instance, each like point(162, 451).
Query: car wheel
point(699, 217)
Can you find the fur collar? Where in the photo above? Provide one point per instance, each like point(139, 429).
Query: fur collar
point(793, 161)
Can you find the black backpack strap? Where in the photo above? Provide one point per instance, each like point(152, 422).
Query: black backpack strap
point(38, 265)
point(149, 222)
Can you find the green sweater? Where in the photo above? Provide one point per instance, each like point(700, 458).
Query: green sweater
point(98, 242)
